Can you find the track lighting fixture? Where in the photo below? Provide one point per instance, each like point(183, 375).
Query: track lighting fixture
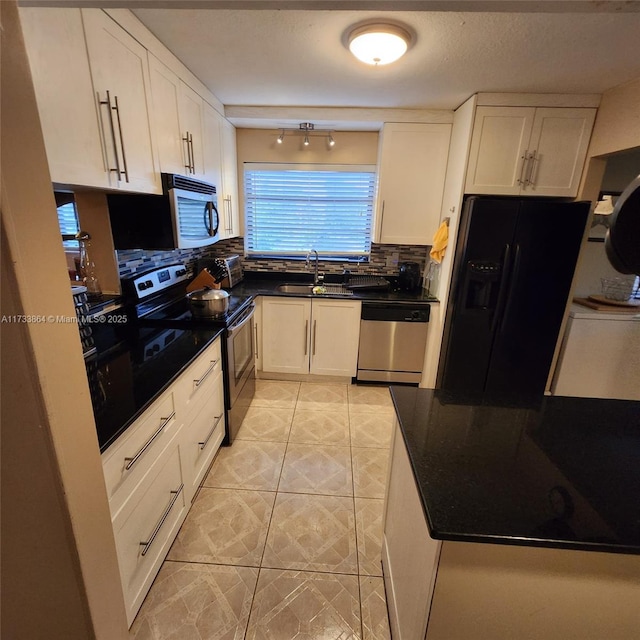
point(308, 129)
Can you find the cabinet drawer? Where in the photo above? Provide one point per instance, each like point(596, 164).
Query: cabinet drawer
point(145, 530)
point(128, 460)
point(196, 381)
point(202, 435)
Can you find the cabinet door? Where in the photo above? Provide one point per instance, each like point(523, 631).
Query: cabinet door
point(212, 148)
point(231, 214)
point(413, 164)
point(409, 555)
point(285, 334)
point(499, 145)
point(558, 149)
point(62, 81)
point(192, 129)
point(165, 92)
point(599, 359)
point(335, 328)
point(119, 66)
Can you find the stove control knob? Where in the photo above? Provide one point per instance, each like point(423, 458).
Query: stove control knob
point(181, 272)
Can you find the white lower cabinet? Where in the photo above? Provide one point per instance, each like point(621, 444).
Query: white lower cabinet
point(409, 577)
point(303, 336)
point(148, 524)
point(154, 469)
point(200, 393)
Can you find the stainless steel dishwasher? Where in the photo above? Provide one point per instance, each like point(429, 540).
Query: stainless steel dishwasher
point(393, 338)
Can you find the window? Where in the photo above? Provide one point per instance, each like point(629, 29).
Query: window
point(291, 209)
point(67, 218)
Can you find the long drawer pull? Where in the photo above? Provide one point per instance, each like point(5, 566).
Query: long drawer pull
point(165, 421)
point(206, 440)
point(147, 544)
point(207, 372)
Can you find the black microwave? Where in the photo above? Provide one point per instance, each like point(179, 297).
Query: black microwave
point(183, 217)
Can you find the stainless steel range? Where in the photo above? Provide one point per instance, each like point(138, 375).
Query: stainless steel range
point(157, 298)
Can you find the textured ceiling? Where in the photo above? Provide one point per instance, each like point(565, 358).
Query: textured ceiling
point(297, 58)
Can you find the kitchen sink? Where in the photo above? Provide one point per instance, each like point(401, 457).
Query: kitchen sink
point(305, 289)
point(294, 287)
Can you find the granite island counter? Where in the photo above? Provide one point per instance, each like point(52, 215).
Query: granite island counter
point(506, 522)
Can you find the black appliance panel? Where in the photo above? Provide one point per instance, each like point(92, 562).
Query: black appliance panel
point(545, 251)
point(513, 268)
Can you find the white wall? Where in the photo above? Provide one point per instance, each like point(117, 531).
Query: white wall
point(63, 581)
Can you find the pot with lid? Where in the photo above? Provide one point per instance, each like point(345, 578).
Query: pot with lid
point(208, 303)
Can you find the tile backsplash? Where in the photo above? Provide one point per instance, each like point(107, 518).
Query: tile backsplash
point(383, 260)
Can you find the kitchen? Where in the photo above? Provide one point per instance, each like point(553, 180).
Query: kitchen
point(92, 556)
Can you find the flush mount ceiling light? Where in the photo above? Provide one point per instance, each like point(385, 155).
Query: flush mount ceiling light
point(307, 129)
point(379, 43)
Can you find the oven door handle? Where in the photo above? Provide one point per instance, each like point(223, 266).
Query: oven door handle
point(231, 330)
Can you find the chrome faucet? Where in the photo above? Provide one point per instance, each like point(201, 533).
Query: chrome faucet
point(316, 278)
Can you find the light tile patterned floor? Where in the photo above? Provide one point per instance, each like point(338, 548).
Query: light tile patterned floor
point(283, 540)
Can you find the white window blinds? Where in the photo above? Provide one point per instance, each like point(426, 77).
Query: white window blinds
point(291, 209)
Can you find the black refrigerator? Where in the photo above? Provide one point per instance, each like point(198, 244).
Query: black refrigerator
point(513, 267)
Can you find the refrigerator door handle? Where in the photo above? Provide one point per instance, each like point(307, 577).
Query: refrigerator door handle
point(512, 286)
point(503, 286)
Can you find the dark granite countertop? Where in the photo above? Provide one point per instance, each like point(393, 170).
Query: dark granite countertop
point(557, 472)
point(264, 284)
point(126, 379)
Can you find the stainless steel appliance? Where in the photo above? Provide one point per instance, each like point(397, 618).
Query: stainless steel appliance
point(157, 298)
point(183, 217)
point(232, 264)
point(513, 268)
point(393, 339)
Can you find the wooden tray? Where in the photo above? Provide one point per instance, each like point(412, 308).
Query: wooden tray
point(615, 303)
point(598, 306)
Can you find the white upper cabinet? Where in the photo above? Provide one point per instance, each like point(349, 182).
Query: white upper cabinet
point(228, 203)
point(165, 93)
point(212, 124)
point(411, 175)
point(191, 121)
point(119, 69)
point(64, 92)
point(528, 151)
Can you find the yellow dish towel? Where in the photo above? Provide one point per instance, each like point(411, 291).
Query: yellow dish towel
point(439, 243)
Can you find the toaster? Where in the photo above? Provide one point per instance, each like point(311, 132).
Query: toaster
point(235, 274)
point(231, 263)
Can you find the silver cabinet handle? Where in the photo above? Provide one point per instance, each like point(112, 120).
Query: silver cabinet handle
point(229, 207)
point(525, 160)
point(207, 372)
point(131, 461)
point(313, 352)
point(113, 132)
point(190, 166)
point(124, 153)
point(147, 543)
point(193, 155)
point(206, 440)
point(533, 162)
point(381, 219)
point(306, 336)
point(255, 327)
